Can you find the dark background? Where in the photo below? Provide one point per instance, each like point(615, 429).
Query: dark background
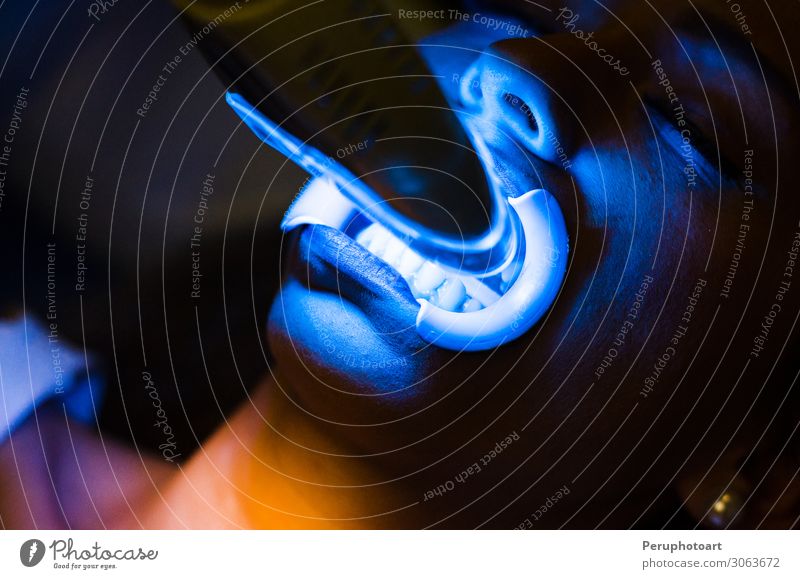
point(86, 80)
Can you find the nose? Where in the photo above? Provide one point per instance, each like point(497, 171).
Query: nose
point(550, 93)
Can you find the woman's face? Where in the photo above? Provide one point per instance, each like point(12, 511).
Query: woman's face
point(662, 123)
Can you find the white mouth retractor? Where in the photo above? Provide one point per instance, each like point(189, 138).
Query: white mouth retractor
point(523, 304)
point(529, 296)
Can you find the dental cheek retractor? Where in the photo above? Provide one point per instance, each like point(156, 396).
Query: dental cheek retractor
point(528, 297)
point(506, 307)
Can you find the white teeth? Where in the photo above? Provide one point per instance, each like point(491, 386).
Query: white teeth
point(450, 295)
point(410, 263)
point(471, 305)
point(378, 243)
point(366, 235)
point(480, 291)
point(507, 276)
point(428, 278)
point(425, 279)
point(394, 249)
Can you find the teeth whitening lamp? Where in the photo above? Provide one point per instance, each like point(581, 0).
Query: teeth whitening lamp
point(339, 87)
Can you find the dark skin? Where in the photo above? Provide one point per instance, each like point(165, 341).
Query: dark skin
point(362, 420)
point(631, 214)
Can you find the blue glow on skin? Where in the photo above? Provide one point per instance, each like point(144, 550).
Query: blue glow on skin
point(697, 170)
point(327, 328)
point(620, 209)
point(360, 361)
point(450, 55)
point(535, 212)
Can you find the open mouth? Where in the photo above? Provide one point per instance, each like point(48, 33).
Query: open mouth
point(457, 311)
point(322, 204)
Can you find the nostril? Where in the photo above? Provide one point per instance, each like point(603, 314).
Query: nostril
point(531, 124)
point(524, 103)
point(522, 111)
point(517, 107)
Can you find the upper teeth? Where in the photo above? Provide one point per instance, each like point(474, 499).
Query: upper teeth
point(425, 279)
